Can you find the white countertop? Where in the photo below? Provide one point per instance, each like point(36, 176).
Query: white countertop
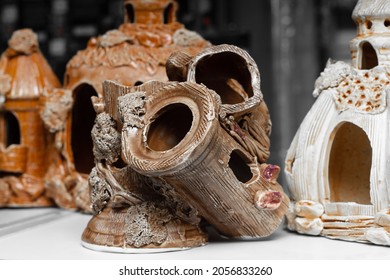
point(54, 234)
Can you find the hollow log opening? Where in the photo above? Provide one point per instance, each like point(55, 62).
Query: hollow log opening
point(369, 59)
point(227, 74)
point(83, 119)
point(350, 165)
point(239, 166)
point(170, 126)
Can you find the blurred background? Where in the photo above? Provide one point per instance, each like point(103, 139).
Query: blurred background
point(291, 41)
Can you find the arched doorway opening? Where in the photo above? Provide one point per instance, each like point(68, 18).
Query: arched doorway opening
point(83, 119)
point(350, 165)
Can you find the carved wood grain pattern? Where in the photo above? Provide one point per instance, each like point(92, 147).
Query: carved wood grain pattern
point(198, 166)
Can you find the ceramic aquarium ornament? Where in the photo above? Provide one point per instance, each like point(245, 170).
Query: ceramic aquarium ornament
point(132, 54)
point(337, 165)
point(33, 114)
point(194, 149)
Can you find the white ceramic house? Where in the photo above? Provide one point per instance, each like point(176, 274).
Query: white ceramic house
point(338, 165)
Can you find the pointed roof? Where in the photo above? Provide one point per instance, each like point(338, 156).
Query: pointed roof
point(371, 8)
point(26, 67)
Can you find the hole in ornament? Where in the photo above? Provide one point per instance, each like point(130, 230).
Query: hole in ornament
point(83, 119)
point(387, 22)
point(369, 58)
point(10, 131)
point(130, 13)
point(227, 74)
point(138, 83)
point(120, 163)
point(350, 165)
point(169, 14)
point(239, 166)
point(368, 24)
point(171, 125)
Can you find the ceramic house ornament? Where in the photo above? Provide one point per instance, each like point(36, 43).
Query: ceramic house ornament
point(33, 113)
point(134, 53)
point(337, 165)
point(191, 153)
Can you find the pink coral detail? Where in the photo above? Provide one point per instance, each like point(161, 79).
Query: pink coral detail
point(268, 200)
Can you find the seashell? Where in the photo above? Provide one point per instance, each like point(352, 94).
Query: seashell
point(308, 209)
point(309, 226)
point(382, 218)
point(378, 236)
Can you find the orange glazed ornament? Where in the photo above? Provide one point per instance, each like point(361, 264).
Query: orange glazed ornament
point(134, 53)
point(33, 111)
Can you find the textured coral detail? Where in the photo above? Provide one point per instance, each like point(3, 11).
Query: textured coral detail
point(134, 45)
point(364, 91)
point(57, 104)
point(146, 224)
point(131, 109)
point(105, 187)
point(24, 41)
point(186, 38)
point(106, 139)
point(173, 201)
point(100, 191)
point(112, 38)
point(360, 90)
point(333, 74)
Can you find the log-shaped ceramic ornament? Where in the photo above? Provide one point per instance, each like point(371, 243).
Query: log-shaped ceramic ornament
point(133, 213)
point(337, 164)
point(183, 161)
point(178, 138)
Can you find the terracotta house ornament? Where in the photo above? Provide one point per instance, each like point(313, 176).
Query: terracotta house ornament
point(187, 159)
point(337, 163)
point(33, 113)
point(134, 53)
